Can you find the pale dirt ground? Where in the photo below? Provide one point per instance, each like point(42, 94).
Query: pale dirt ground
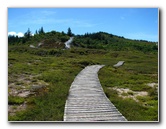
point(23, 86)
point(127, 93)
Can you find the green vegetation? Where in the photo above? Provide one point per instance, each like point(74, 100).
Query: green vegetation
point(52, 70)
point(15, 100)
point(102, 40)
point(134, 75)
point(51, 39)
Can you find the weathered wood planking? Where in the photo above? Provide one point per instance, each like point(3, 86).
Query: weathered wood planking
point(87, 101)
point(120, 63)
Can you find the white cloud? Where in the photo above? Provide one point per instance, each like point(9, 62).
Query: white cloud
point(12, 33)
point(19, 34)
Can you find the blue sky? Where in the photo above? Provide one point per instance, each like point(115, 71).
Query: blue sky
point(133, 23)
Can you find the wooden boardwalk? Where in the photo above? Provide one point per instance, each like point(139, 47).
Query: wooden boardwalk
point(120, 63)
point(87, 101)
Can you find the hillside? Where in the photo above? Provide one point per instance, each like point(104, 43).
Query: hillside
point(103, 40)
point(39, 78)
point(99, 40)
point(51, 39)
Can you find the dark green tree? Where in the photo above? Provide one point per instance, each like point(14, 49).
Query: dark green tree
point(63, 33)
point(27, 34)
point(41, 31)
point(36, 32)
point(69, 33)
point(13, 39)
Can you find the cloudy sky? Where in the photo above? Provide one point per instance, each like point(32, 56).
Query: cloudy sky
point(133, 23)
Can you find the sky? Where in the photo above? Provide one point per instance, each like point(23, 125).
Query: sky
point(132, 23)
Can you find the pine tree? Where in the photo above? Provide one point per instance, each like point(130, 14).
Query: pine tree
point(28, 34)
point(41, 31)
point(69, 33)
point(36, 32)
point(63, 33)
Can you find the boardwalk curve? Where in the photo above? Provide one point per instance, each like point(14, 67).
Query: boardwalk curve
point(87, 101)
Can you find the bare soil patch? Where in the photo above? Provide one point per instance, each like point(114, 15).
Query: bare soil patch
point(127, 93)
point(23, 86)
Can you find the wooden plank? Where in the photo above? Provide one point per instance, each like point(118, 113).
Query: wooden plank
point(87, 101)
point(120, 63)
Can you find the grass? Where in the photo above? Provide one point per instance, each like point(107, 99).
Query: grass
point(49, 103)
point(58, 69)
point(130, 92)
point(134, 75)
point(15, 100)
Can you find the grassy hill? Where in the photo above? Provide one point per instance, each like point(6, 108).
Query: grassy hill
point(51, 39)
point(39, 78)
point(102, 40)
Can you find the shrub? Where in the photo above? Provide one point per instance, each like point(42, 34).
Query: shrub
point(153, 93)
point(52, 77)
point(15, 100)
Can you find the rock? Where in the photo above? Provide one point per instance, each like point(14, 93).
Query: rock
point(40, 44)
point(36, 87)
point(32, 46)
point(152, 84)
point(24, 94)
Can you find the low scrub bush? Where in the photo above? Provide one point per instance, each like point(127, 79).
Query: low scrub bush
point(15, 100)
point(51, 76)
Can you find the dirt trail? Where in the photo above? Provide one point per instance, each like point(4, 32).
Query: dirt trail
point(67, 43)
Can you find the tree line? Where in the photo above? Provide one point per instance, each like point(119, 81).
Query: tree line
point(28, 35)
point(99, 40)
